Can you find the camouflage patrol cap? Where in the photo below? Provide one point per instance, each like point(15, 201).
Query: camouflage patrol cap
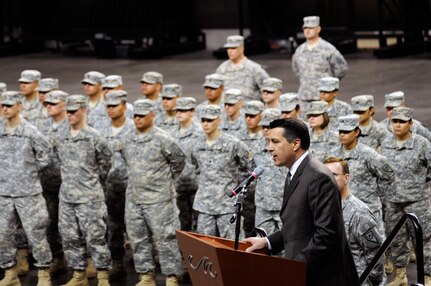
point(317, 107)
point(10, 97)
point(75, 102)
point(269, 115)
point(288, 101)
point(234, 41)
point(311, 21)
point(362, 102)
point(329, 84)
point(115, 97)
point(93, 78)
point(29, 76)
point(232, 95)
point(272, 84)
point(253, 107)
point(348, 122)
point(3, 87)
point(143, 106)
point(394, 99)
point(402, 113)
point(112, 81)
point(185, 103)
point(47, 84)
point(56, 96)
point(171, 90)
point(210, 111)
point(214, 80)
point(152, 77)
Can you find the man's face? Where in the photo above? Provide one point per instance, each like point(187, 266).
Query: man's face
point(212, 94)
point(232, 109)
point(401, 128)
point(283, 152)
point(252, 121)
point(11, 111)
point(54, 109)
point(209, 126)
point(149, 89)
point(235, 54)
point(76, 116)
point(347, 137)
point(328, 96)
point(337, 171)
point(169, 103)
point(270, 96)
point(28, 88)
point(184, 115)
point(42, 96)
point(116, 111)
point(92, 89)
point(311, 33)
point(143, 122)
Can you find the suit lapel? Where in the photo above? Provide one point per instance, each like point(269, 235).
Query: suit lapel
point(293, 183)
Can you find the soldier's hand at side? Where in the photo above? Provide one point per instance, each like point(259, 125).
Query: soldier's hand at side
point(256, 243)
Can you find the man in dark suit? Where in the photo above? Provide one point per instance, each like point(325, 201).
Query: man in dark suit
point(313, 227)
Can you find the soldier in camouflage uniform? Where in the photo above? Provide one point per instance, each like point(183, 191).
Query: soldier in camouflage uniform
point(28, 83)
point(251, 136)
point(153, 160)
point(97, 116)
point(214, 87)
point(322, 138)
point(45, 85)
point(3, 88)
point(186, 185)
point(24, 153)
point(271, 91)
point(328, 88)
point(116, 183)
point(360, 225)
point(167, 120)
point(221, 161)
point(410, 154)
point(151, 88)
point(232, 120)
point(372, 134)
point(269, 195)
point(371, 175)
point(55, 103)
point(85, 159)
point(396, 99)
point(314, 59)
point(240, 72)
point(115, 82)
point(289, 105)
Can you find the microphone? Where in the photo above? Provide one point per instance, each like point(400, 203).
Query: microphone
point(244, 184)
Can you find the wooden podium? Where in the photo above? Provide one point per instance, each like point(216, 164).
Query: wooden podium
point(214, 261)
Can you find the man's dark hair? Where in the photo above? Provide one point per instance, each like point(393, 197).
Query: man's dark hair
point(293, 129)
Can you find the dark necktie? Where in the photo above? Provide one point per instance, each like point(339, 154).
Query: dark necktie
point(286, 186)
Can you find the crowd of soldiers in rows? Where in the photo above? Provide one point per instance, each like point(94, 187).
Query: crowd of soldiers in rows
point(83, 173)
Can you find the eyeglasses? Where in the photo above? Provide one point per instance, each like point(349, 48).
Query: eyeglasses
point(71, 111)
point(139, 116)
point(251, 115)
point(345, 131)
point(203, 120)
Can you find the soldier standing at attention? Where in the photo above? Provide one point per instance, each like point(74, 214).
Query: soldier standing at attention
point(55, 104)
point(85, 160)
point(24, 153)
point(167, 120)
point(116, 184)
point(3, 88)
point(314, 59)
point(186, 185)
point(214, 87)
point(221, 161)
point(372, 134)
point(289, 106)
point(240, 72)
point(410, 154)
point(328, 88)
point(360, 225)
point(115, 82)
point(232, 121)
point(151, 88)
point(28, 83)
point(153, 160)
point(271, 92)
point(45, 85)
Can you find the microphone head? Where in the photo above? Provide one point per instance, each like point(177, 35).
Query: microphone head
point(258, 171)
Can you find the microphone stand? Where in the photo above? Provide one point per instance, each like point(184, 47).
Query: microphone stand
point(237, 214)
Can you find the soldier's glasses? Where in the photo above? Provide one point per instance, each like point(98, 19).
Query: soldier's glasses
point(206, 120)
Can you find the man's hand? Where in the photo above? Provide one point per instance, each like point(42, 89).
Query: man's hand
point(256, 243)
